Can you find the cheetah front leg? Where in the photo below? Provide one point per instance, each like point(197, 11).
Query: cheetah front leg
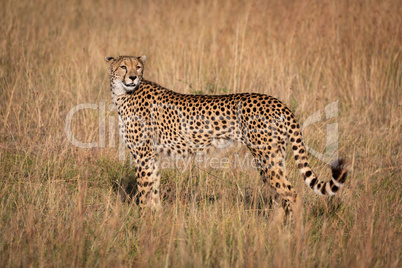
point(148, 182)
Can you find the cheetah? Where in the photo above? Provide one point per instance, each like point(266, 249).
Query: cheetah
point(154, 120)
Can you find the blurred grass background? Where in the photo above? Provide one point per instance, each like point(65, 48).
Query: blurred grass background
point(58, 203)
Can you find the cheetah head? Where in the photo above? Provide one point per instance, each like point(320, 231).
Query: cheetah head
point(125, 73)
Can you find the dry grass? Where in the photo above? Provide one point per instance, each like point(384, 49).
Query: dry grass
point(58, 206)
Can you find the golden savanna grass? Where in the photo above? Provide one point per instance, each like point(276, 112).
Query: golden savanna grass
point(58, 202)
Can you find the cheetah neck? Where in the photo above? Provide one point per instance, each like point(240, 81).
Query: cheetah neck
point(145, 87)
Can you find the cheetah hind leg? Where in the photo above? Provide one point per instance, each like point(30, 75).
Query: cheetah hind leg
point(275, 177)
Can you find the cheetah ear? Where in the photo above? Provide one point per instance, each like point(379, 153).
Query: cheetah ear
point(142, 58)
point(108, 59)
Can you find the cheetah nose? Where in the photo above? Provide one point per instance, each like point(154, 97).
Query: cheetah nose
point(132, 77)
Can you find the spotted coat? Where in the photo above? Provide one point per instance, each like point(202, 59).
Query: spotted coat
point(154, 120)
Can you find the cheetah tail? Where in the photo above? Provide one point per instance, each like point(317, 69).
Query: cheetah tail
point(338, 167)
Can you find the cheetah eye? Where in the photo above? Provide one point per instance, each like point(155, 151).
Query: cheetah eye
point(123, 67)
point(138, 67)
